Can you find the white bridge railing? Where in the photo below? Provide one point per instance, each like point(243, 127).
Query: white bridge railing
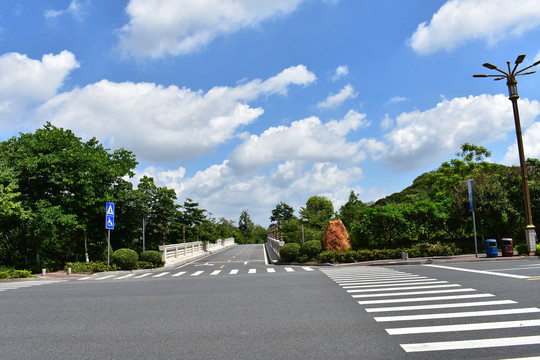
point(275, 244)
point(178, 252)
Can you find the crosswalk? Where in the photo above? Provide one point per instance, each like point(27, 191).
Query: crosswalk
point(212, 272)
point(414, 308)
point(25, 284)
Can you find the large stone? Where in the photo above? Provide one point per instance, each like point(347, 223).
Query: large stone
point(335, 236)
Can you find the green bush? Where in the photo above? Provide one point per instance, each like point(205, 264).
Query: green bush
point(289, 252)
point(89, 267)
point(153, 257)
point(348, 256)
point(125, 259)
point(9, 273)
point(311, 248)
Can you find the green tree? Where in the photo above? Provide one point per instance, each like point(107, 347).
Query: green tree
point(245, 226)
point(283, 213)
point(350, 210)
point(317, 212)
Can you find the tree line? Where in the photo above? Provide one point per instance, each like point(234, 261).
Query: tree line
point(53, 190)
point(434, 209)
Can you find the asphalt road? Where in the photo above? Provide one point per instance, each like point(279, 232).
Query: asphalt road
point(232, 305)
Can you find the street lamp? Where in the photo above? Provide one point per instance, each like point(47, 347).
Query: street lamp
point(510, 76)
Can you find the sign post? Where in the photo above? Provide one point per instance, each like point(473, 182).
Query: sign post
point(109, 225)
point(470, 185)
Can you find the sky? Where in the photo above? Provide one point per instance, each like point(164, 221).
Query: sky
point(243, 104)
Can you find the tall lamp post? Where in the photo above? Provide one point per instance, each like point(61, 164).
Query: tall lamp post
point(510, 76)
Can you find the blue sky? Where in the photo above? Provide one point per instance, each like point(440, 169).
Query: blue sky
point(242, 104)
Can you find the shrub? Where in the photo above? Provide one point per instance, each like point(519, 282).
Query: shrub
point(125, 259)
point(9, 273)
point(88, 267)
point(311, 248)
point(289, 252)
point(153, 257)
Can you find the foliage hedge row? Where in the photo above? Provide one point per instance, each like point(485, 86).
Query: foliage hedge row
point(347, 256)
point(120, 260)
point(9, 273)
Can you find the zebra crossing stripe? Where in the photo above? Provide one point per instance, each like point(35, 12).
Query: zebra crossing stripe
point(233, 272)
point(124, 277)
point(215, 272)
point(179, 273)
point(106, 277)
point(252, 271)
point(394, 284)
point(472, 344)
point(288, 269)
point(457, 314)
point(143, 275)
point(84, 278)
point(423, 278)
point(427, 298)
point(463, 327)
point(197, 273)
point(441, 306)
point(412, 293)
point(404, 288)
point(161, 274)
point(270, 270)
point(307, 268)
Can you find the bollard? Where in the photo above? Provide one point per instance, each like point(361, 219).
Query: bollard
point(43, 272)
point(404, 255)
point(69, 271)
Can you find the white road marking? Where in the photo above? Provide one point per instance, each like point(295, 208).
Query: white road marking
point(233, 272)
point(124, 277)
point(143, 275)
point(161, 274)
point(270, 270)
point(106, 277)
point(85, 278)
point(252, 271)
point(394, 284)
point(288, 269)
point(463, 327)
point(414, 293)
point(215, 272)
point(472, 344)
point(423, 278)
point(405, 288)
point(179, 273)
point(432, 298)
point(441, 306)
point(307, 268)
point(197, 273)
point(479, 271)
point(457, 314)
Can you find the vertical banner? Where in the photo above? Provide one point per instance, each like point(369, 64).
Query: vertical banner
point(470, 185)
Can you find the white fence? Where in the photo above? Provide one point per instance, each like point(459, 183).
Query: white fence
point(275, 245)
point(178, 252)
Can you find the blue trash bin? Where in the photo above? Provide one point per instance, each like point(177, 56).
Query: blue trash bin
point(491, 248)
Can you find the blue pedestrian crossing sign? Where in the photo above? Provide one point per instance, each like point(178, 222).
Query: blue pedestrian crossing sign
point(109, 216)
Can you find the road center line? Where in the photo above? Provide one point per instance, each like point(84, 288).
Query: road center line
point(478, 271)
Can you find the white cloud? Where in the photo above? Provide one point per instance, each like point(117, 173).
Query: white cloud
point(341, 71)
point(335, 100)
point(304, 140)
point(27, 82)
point(398, 99)
point(387, 122)
point(531, 146)
point(74, 9)
point(173, 27)
point(459, 21)
point(164, 123)
point(420, 138)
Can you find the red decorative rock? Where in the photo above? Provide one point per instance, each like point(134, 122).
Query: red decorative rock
point(335, 236)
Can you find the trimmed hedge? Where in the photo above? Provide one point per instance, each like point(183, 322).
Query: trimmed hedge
point(8, 273)
point(311, 248)
point(349, 256)
point(89, 267)
point(289, 252)
point(153, 257)
point(125, 259)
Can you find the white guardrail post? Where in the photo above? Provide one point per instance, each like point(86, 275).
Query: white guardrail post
point(173, 253)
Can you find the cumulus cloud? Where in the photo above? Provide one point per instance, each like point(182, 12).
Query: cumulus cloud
point(341, 72)
point(531, 146)
point(164, 123)
point(27, 82)
point(335, 100)
point(459, 21)
point(172, 27)
point(419, 138)
point(304, 140)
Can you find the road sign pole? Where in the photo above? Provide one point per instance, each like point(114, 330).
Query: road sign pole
point(108, 248)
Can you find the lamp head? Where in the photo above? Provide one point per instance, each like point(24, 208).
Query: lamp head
point(489, 66)
point(520, 59)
